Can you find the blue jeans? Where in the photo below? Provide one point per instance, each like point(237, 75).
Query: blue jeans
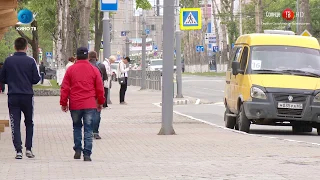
point(87, 115)
point(96, 122)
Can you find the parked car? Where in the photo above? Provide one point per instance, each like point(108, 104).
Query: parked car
point(50, 73)
point(157, 65)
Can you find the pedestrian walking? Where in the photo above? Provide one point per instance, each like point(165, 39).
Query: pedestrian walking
point(123, 78)
point(82, 87)
point(42, 69)
point(104, 77)
point(20, 72)
point(2, 85)
point(107, 84)
point(70, 63)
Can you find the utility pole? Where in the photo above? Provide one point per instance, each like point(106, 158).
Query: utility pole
point(127, 30)
point(106, 35)
point(158, 7)
point(167, 75)
point(144, 43)
point(106, 43)
point(178, 53)
point(240, 11)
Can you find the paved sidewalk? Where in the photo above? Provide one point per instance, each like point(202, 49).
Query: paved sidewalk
point(131, 148)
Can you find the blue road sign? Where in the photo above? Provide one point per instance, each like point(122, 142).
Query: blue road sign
point(109, 5)
point(48, 54)
point(200, 49)
point(190, 19)
point(232, 45)
point(215, 48)
point(155, 48)
point(123, 33)
point(147, 31)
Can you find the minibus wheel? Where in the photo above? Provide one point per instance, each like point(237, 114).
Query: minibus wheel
point(229, 121)
point(318, 131)
point(242, 120)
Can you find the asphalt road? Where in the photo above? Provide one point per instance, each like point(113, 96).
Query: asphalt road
point(211, 89)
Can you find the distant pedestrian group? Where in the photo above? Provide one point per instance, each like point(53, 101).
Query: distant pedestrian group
point(84, 91)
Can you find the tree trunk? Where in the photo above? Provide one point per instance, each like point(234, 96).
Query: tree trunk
point(215, 22)
point(84, 8)
point(60, 38)
point(258, 16)
point(34, 42)
point(98, 16)
point(305, 20)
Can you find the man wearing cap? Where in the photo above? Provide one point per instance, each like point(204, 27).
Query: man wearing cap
point(82, 86)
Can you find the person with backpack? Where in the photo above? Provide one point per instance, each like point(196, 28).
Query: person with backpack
point(93, 59)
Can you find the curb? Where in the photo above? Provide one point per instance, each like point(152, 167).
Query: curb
point(46, 92)
point(179, 102)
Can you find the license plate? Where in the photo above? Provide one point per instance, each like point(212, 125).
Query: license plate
point(290, 105)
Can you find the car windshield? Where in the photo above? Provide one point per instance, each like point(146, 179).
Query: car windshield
point(156, 62)
point(285, 58)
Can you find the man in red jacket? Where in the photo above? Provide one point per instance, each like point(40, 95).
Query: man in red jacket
point(82, 85)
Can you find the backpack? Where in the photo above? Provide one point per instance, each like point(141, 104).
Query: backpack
point(97, 65)
point(101, 70)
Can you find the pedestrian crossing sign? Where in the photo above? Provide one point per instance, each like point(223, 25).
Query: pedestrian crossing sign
point(190, 19)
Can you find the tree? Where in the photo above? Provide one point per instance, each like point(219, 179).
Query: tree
point(143, 4)
point(305, 20)
point(84, 7)
point(98, 25)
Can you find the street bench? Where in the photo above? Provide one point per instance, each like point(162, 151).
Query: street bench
point(3, 124)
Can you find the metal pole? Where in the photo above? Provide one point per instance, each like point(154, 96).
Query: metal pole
point(106, 41)
point(178, 53)
point(127, 30)
point(167, 75)
point(240, 11)
point(143, 64)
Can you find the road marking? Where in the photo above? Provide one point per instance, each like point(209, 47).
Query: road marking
point(203, 80)
point(239, 132)
point(197, 101)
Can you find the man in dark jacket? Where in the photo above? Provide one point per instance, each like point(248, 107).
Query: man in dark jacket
point(101, 67)
point(42, 70)
point(20, 72)
point(2, 85)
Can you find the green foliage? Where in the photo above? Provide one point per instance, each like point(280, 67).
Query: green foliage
point(143, 4)
point(46, 18)
point(279, 22)
point(315, 18)
point(6, 44)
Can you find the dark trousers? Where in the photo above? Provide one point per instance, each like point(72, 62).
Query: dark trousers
point(16, 105)
point(42, 77)
point(87, 117)
point(106, 96)
point(96, 122)
point(3, 87)
point(123, 90)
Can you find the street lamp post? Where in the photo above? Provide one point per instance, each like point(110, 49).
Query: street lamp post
point(178, 53)
point(167, 75)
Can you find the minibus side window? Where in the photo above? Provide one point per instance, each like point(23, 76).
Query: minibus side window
point(244, 58)
point(235, 55)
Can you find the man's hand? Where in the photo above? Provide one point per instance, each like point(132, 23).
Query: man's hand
point(65, 108)
point(99, 107)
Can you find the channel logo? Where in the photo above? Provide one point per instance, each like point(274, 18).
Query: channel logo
point(25, 16)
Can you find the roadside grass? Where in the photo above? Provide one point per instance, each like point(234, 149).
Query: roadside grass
point(54, 85)
point(210, 74)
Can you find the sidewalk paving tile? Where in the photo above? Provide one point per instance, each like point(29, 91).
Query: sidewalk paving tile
point(131, 148)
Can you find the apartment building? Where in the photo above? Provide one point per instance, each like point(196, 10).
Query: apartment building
point(128, 19)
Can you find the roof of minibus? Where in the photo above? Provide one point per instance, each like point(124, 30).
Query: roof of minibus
point(278, 39)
